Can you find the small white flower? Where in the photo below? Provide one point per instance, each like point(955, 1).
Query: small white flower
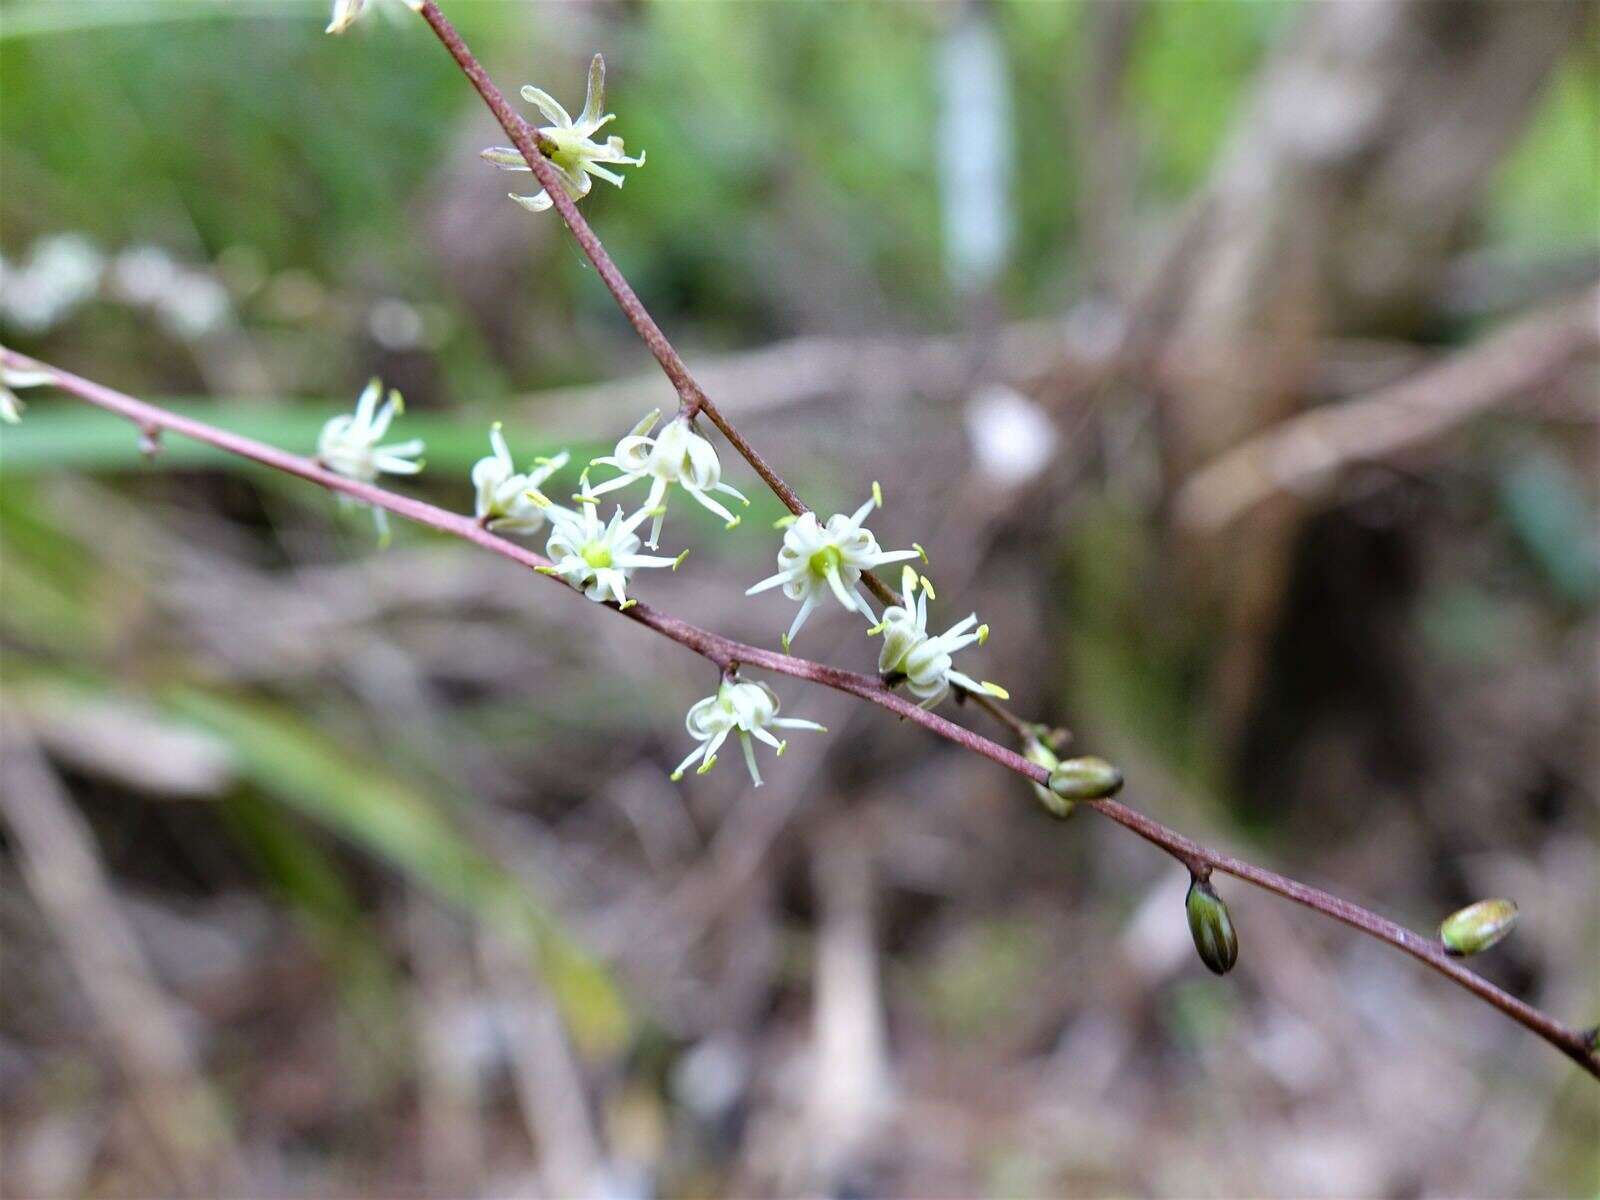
point(349, 446)
point(507, 500)
point(598, 559)
point(677, 455)
point(817, 558)
point(575, 154)
point(17, 377)
point(925, 661)
point(346, 11)
point(751, 710)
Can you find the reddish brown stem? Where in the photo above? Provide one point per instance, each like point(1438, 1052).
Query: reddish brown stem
point(694, 400)
point(726, 654)
point(526, 140)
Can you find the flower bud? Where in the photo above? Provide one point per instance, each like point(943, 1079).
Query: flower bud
point(1087, 778)
point(1211, 927)
point(1477, 927)
point(1040, 755)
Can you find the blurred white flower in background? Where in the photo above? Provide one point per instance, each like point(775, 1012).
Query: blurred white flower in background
point(576, 155)
point(1012, 438)
point(62, 272)
point(189, 302)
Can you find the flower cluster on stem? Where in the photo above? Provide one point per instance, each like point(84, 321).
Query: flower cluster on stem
point(751, 709)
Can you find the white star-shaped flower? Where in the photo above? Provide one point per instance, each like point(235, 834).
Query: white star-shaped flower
point(598, 559)
point(349, 446)
point(575, 154)
point(509, 501)
point(816, 559)
point(677, 455)
point(751, 710)
point(925, 662)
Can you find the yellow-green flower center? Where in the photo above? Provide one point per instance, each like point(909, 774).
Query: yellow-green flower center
point(568, 151)
point(597, 556)
point(825, 560)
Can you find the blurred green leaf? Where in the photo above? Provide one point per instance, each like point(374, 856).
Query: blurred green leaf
point(1546, 506)
point(83, 438)
point(309, 881)
point(48, 581)
point(390, 818)
point(26, 20)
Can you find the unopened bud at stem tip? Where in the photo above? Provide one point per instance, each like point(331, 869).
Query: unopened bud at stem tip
point(1477, 927)
point(1211, 927)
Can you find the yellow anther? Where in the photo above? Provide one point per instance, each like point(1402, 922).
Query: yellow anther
point(877, 494)
point(994, 689)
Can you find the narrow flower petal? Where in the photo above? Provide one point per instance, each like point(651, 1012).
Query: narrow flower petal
point(594, 97)
point(771, 581)
point(548, 105)
point(750, 758)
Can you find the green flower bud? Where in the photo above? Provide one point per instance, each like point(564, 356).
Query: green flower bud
point(1085, 779)
point(1211, 927)
point(1036, 752)
point(1477, 927)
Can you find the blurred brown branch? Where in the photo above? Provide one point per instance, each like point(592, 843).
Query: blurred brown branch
point(1305, 454)
point(64, 872)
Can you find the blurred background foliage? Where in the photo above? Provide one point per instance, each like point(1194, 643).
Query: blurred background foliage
point(339, 792)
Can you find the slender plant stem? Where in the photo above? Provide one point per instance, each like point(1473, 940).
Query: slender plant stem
point(693, 400)
point(728, 655)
